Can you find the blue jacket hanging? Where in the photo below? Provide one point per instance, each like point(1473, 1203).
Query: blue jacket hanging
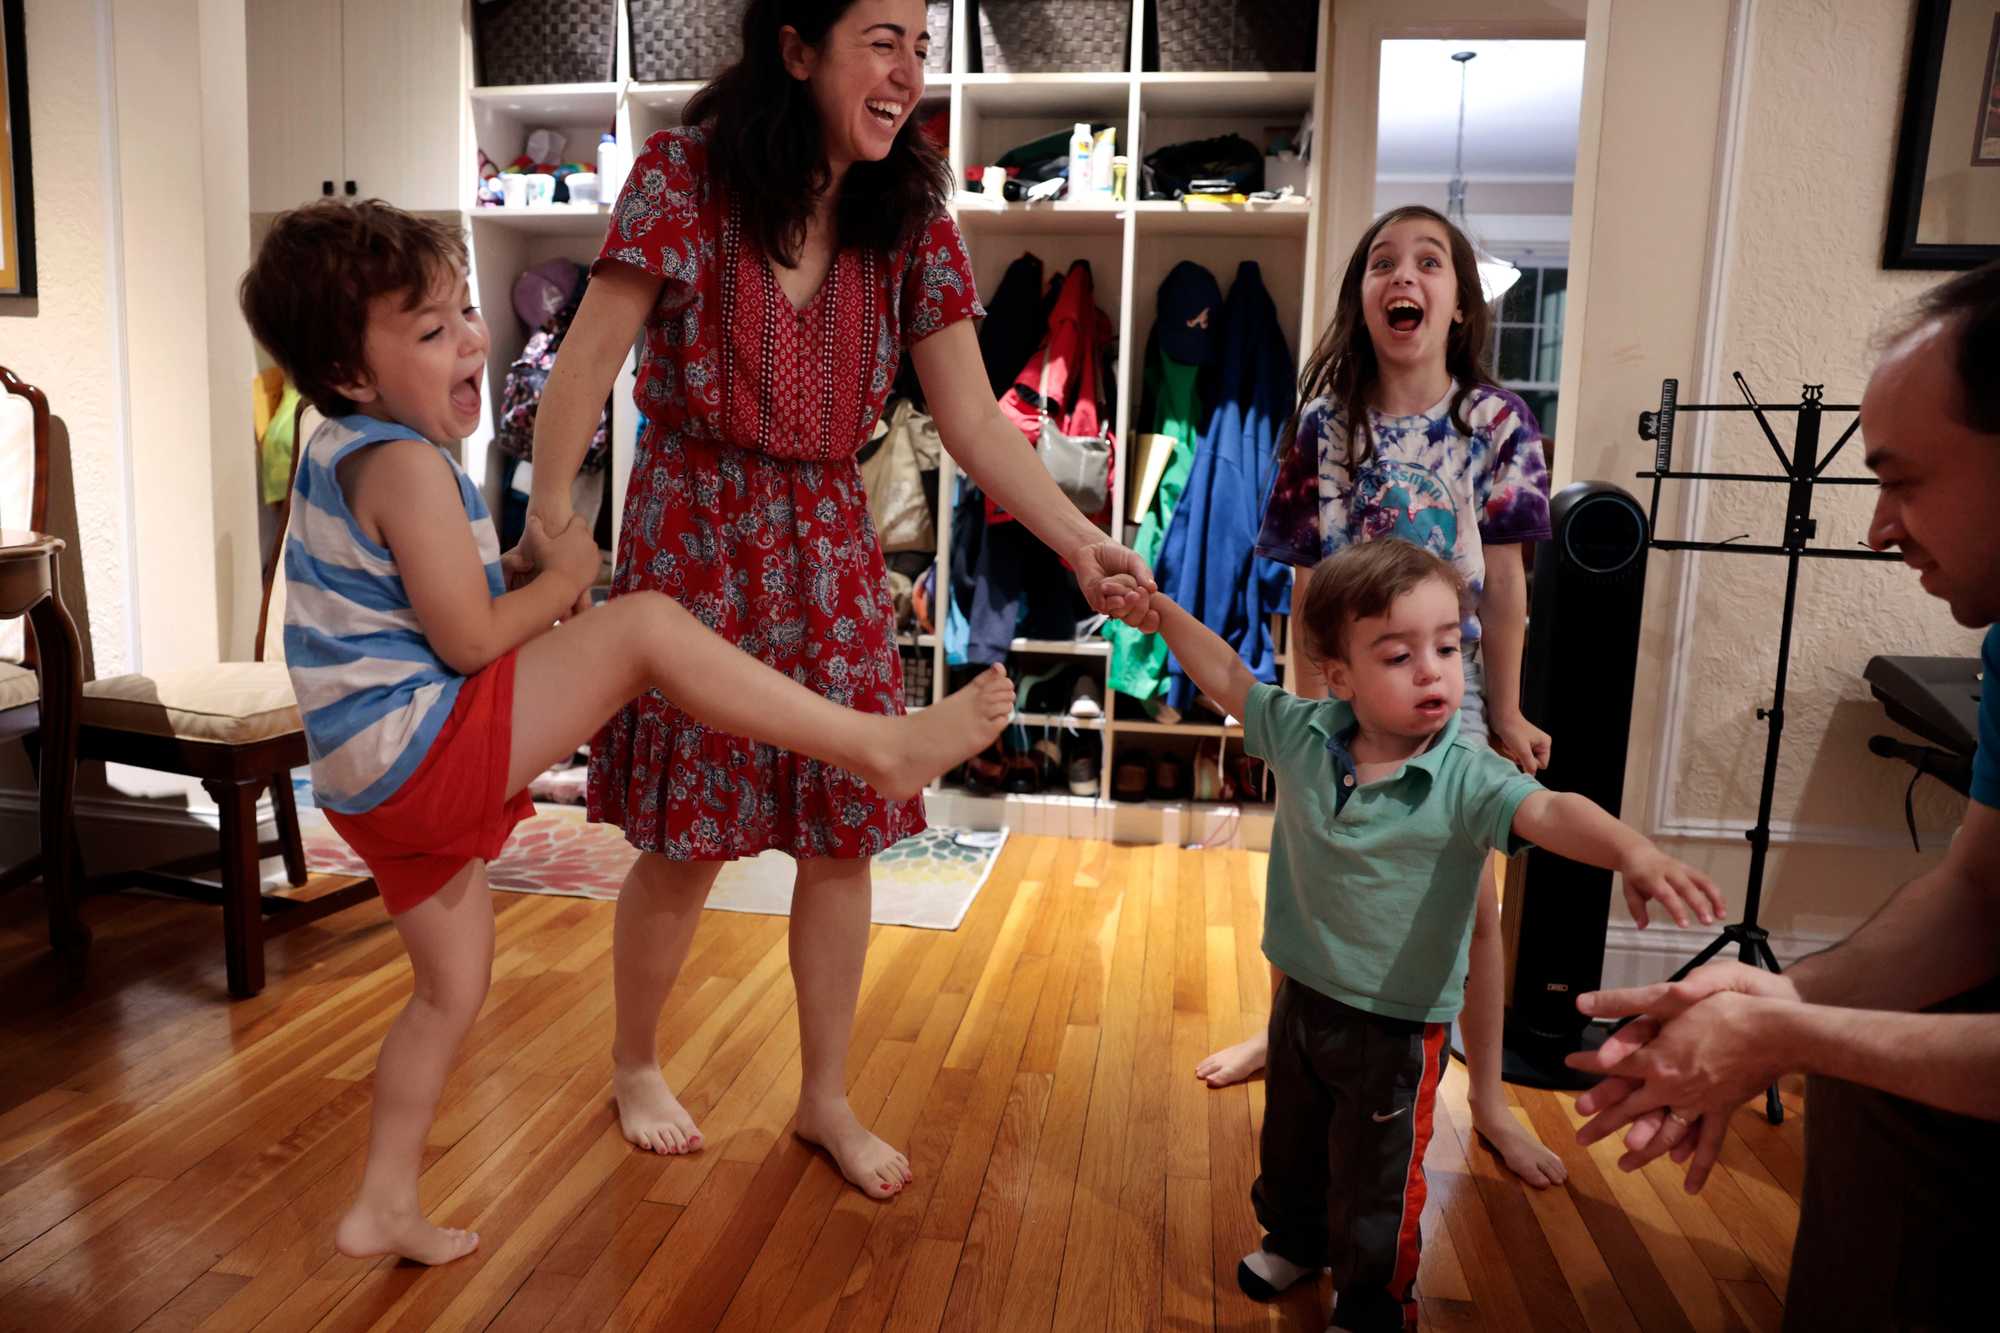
point(1208, 564)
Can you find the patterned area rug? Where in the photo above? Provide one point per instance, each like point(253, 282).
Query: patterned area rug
point(928, 881)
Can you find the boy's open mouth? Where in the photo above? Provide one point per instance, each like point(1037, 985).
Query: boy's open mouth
point(465, 394)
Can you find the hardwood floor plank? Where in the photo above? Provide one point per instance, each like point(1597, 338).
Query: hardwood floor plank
point(543, 1301)
point(1187, 1295)
point(1083, 1296)
point(985, 1259)
point(1044, 1233)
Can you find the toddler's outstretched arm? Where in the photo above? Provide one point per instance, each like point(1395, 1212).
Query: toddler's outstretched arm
point(1209, 660)
point(1578, 828)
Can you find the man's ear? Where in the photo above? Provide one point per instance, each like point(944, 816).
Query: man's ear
point(797, 58)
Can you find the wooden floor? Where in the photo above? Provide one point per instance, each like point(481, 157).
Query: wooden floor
point(169, 1159)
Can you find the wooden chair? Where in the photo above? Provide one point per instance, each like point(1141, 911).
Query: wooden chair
point(234, 726)
point(24, 503)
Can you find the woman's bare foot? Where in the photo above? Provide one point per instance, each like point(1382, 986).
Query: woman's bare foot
point(917, 748)
point(366, 1232)
point(649, 1113)
point(1525, 1155)
point(1233, 1064)
point(869, 1164)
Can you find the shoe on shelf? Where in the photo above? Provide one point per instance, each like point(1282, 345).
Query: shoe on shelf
point(1048, 756)
point(1083, 776)
point(1087, 699)
point(1169, 778)
point(1130, 777)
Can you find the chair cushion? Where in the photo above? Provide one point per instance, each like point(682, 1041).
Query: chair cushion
point(17, 686)
point(234, 703)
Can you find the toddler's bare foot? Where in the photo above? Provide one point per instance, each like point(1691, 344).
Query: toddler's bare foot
point(1233, 1064)
point(649, 1113)
point(916, 749)
point(366, 1232)
point(1524, 1154)
point(869, 1164)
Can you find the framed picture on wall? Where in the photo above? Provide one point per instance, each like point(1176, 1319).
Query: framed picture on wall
point(17, 194)
point(1944, 205)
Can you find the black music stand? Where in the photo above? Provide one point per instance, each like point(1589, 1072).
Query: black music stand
point(1799, 474)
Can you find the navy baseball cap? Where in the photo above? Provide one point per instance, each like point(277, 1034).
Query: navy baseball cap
point(1188, 314)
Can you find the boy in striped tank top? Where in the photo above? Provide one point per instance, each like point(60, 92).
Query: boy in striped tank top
point(431, 694)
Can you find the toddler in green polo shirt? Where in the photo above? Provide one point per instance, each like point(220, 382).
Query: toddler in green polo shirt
point(1384, 817)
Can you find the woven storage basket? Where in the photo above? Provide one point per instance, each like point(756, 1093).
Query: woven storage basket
point(546, 41)
point(937, 20)
point(678, 40)
point(1235, 34)
point(1052, 36)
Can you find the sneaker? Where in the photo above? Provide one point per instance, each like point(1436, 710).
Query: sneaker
point(1086, 700)
point(1083, 776)
point(1169, 778)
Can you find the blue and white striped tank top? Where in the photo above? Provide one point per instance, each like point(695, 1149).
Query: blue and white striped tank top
point(370, 688)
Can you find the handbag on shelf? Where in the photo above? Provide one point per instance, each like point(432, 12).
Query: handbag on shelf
point(1081, 464)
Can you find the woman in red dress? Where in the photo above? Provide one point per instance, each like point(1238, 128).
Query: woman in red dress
point(780, 254)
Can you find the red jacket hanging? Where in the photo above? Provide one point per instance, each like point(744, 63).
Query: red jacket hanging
point(1079, 334)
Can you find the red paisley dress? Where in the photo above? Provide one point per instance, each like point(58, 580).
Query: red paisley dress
point(746, 505)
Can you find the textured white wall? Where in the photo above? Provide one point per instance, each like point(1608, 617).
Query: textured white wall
point(63, 341)
point(1806, 297)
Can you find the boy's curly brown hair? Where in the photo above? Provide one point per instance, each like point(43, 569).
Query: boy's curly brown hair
point(1363, 581)
point(306, 293)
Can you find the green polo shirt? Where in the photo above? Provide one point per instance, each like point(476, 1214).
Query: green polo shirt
point(1370, 895)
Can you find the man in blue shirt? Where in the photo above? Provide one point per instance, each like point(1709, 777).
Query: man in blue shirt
point(1898, 1028)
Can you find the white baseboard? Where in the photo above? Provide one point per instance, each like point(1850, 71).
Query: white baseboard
point(1166, 823)
point(122, 832)
point(1784, 832)
point(1635, 957)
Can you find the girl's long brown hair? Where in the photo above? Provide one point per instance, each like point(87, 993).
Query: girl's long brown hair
point(1343, 366)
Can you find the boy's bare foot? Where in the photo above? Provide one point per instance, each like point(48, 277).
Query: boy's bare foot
point(916, 749)
point(649, 1113)
point(1525, 1155)
point(869, 1164)
point(366, 1232)
point(1233, 1064)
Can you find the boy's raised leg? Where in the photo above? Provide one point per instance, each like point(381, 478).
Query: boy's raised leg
point(450, 941)
point(569, 680)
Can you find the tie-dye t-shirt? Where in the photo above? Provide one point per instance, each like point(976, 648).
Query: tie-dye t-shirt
point(1427, 482)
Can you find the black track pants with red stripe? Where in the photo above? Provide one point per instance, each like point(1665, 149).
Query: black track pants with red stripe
point(1347, 1117)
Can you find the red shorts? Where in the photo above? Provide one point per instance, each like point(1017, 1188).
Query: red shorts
point(455, 807)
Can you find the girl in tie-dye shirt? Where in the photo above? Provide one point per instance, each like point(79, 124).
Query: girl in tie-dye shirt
point(1451, 461)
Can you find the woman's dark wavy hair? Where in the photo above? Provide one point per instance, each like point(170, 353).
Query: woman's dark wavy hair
point(765, 146)
point(1343, 366)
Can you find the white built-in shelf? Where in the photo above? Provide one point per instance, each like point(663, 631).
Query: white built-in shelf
point(665, 97)
point(917, 640)
point(1170, 217)
point(1062, 647)
point(1227, 95)
point(1060, 720)
point(552, 103)
point(1059, 216)
point(548, 219)
point(1042, 96)
point(1180, 728)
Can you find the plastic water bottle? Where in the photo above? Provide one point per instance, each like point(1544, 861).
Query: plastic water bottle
point(612, 168)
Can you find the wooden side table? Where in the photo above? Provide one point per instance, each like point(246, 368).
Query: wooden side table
point(30, 585)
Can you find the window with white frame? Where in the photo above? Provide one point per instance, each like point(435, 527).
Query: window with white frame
point(1526, 353)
